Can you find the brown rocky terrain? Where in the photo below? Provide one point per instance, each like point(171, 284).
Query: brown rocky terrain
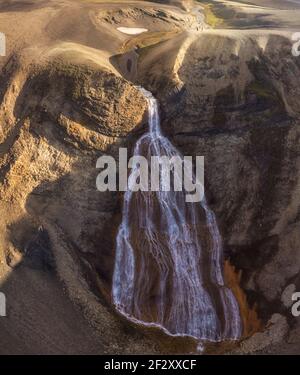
point(68, 96)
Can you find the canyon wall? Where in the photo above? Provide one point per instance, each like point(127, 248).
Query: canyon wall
point(232, 96)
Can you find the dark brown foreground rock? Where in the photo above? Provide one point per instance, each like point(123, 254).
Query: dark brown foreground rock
point(232, 96)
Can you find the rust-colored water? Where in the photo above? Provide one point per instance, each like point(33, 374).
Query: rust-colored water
point(251, 322)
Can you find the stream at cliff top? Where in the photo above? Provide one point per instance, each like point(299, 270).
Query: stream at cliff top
point(169, 258)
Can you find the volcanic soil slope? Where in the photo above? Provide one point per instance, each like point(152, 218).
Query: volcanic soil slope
point(228, 87)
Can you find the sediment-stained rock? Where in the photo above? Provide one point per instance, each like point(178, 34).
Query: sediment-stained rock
point(232, 96)
point(233, 99)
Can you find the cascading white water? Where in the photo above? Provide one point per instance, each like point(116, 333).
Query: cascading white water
point(168, 266)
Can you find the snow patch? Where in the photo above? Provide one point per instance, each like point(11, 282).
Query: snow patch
point(132, 30)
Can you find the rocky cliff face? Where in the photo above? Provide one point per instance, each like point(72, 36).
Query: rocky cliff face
point(230, 96)
point(54, 216)
point(233, 99)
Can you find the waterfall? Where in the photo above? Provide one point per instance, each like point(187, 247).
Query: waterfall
point(168, 266)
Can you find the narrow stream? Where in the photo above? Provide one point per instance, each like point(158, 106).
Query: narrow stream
point(169, 257)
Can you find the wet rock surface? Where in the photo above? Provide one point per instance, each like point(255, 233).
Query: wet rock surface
point(230, 96)
point(238, 109)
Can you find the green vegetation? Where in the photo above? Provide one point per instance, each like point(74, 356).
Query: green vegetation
point(147, 39)
point(270, 101)
point(211, 17)
point(262, 90)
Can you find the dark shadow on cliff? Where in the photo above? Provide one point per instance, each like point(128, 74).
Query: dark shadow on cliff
point(22, 6)
point(40, 317)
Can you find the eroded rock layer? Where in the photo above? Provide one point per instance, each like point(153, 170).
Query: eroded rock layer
point(67, 96)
